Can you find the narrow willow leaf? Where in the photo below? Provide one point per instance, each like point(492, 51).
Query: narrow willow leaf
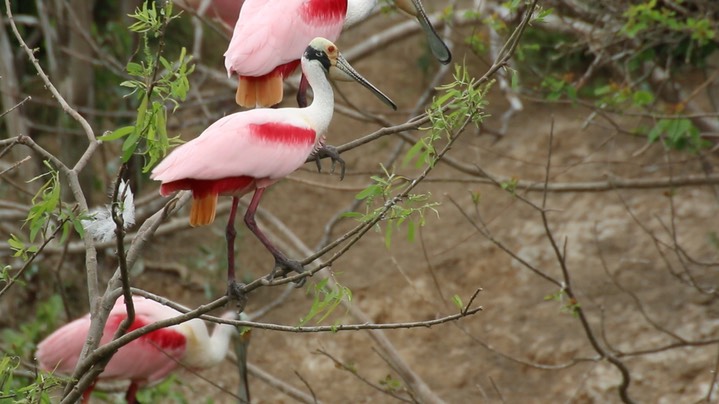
point(116, 134)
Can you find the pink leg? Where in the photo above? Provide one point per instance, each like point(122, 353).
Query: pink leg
point(131, 395)
point(282, 263)
point(234, 290)
point(87, 393)
point(230, 234)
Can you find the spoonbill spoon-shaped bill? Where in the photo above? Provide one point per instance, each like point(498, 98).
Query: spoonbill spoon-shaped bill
point(270, 37)
point(146, 360)
point(249, 151)
point(436, 44)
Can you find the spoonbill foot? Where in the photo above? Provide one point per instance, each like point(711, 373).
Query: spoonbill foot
point(283, 267)
point(236, 293)
point(334, 155)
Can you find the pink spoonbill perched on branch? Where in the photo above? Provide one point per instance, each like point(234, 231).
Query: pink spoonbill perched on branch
point(270, 36)
point(251, 150)
point(144, 361)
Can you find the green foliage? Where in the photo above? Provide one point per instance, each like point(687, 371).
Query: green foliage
point(391, 384)
point(618, 96)
point(20, 343)
point(568, 305)
point(389, 198)
point(46, 213)
point(461, 99)
point(647, 16)
point(165, 392)
point(510, 185)
point(558, 88)
point(688, 36)
point(457, 300)
point(713, 239)
point(411, 211)
point(678, 134)
point(22, 389)
point(157, 83)
point(325, 300)
point(5, 273)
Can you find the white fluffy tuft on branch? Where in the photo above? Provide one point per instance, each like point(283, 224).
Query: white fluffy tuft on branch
point(101, 226)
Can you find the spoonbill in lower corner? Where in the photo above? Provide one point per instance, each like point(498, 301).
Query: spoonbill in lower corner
point(270, 36)
point(251, 150)
point(144, 361)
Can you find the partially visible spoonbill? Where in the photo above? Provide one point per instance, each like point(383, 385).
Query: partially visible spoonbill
point(270, 36)
point(225, 11)
point(251, 150)
point(144, 361)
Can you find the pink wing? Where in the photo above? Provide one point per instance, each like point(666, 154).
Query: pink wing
point(260, 143)
point(160, 350)
point(61, 350)
point(225, 10)
point(271, 33)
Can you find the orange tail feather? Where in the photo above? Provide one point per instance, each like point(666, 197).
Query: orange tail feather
point(246, 95)
point(264, 91)
point(203, 210)
point(269, 91)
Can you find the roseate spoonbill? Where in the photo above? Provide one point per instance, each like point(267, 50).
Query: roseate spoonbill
point(144, 361)
point(250, 150)
point(270, 36)
point(225, 11)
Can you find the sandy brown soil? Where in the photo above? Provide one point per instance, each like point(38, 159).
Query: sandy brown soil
point(396, 284)
point(596, 230)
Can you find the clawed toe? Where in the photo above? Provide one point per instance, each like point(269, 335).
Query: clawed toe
point(334, 155)
point(236, 293)
point(283, 267)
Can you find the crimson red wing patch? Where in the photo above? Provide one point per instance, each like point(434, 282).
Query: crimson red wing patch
point(324, 11)
point(283, 134)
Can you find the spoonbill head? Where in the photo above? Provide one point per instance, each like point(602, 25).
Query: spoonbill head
point(270, 37)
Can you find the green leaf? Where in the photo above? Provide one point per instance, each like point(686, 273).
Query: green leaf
point(352, 215)
point(642, 98)
point(130, 84)
point(388, 235)
point(372, 190)
point(656, 131)
point(410, 230)
point(458, 302)
point(15, 243)
point(412, 152)
point(116, 134)
point(130, 145)
point(135, 69)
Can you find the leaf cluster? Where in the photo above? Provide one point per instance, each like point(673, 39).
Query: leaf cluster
point(19, 389)
point(18, 343)
point(45, 215)
point(325, 299)
point(381, 194)
point(157, 83)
